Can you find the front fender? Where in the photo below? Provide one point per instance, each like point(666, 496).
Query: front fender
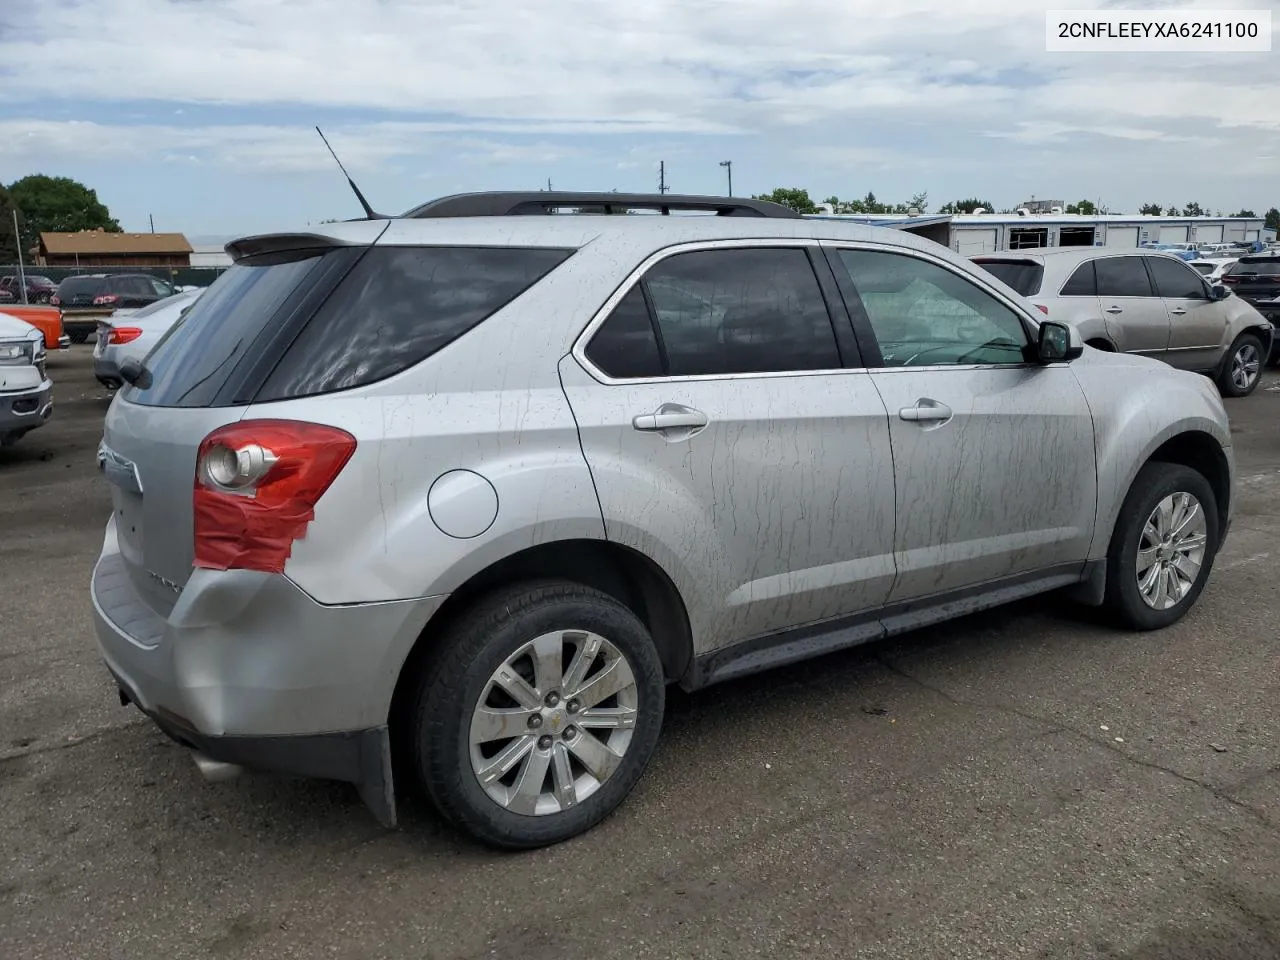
point(1138, 406)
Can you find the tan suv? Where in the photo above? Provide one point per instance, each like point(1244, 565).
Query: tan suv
point(1144, 302)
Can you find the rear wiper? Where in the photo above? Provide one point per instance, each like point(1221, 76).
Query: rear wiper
point(134, 373)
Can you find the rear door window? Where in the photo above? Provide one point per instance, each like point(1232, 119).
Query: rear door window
point(1025, 276)
point(1123, 277)
point(626, 345)
point(1082, 283)
point(398, 306)
point(756, 310)
point(1175, 280)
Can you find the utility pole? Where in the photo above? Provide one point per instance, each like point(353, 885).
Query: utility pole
point(728, 167)
point(153, 222)
point(548, 184)
point(662, 177)
point(22, 276)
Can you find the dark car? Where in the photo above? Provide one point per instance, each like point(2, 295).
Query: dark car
point(39, 288)
point(86, 299)
point(1256, 280)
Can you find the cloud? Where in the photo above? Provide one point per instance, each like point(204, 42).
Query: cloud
point(960, 93)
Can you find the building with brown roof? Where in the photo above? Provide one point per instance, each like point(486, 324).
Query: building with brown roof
point(98, 248)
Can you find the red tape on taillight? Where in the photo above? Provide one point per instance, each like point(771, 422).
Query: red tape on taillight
point(256, 487)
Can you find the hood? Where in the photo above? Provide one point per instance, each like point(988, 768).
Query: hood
point(11, 328)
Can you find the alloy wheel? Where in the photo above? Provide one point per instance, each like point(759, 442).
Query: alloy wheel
point(553, 722)
point(1171, 550)
point(1245, 366)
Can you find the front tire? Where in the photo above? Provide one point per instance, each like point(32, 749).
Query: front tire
point(1163, 547)
point(1242, 368)
point(539, 714)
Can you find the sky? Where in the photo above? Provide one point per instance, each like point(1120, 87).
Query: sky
point(201, 113)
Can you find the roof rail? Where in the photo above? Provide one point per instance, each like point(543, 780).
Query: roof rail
point(544, 202)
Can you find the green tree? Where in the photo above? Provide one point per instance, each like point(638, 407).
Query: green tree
point(965, 206)
point(1173, 212)
point(1085, 208)
point(1244, 213)
point(8, 240)
point(793, 197)
point(920, 201)
point(59, 205)
point(1194, 210)
point(1273, 219)
point(1151, 210)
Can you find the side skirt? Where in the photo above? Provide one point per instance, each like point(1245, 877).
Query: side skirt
point(791, 646)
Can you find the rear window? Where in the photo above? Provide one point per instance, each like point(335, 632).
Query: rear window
point(72, 286)
point(1024, 276)
point(398, 306)
point(193, 361)
point(1258, 268)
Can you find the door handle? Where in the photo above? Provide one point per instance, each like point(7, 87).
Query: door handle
point(670, 416)
point(1115, 310)
point(1178, 312)
point(926, 411)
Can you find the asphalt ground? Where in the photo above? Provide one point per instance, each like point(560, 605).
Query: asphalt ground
point(1022, 783)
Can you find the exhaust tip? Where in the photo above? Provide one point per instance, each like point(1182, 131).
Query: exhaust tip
point(215, 771)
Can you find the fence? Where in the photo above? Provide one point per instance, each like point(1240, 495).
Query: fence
point(179, 276)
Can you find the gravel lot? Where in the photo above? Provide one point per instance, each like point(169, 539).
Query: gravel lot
point(1022, 783)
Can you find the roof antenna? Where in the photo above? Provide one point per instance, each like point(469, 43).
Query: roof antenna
point(368, 210)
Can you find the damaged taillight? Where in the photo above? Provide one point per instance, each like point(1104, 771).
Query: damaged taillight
point(256, 486)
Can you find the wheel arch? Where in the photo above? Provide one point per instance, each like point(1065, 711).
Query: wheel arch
point(621, 572)
point(1201, 452)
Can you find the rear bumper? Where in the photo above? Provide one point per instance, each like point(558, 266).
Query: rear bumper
point(20, 412)
point(107, 370)
point(249, 670)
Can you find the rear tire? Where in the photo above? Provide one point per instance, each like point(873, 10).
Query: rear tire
point(1163, 547)
point(511, 738)
point(1242, 368)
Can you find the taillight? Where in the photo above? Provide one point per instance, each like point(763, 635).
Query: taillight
point(1042, 308)
point(256, 487)
point(105, 300)
point(124, 334)
point(1228, 279)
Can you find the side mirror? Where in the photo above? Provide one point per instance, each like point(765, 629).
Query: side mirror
point(1058, 342)
point(1219, 291)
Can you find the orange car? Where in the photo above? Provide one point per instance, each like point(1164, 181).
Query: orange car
point(48, 320)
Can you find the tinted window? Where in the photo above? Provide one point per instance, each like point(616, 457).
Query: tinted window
point(626, 346)
point(1257, 268)
point(398, 306)
point(1123, 277)
point(1023, 275)
point(161, 288)
point(741, 311)
point(1175, 280)
point(1203, 268)
point(924, 314)
point(192, 363)
point(1081, 283)
point(73, 286)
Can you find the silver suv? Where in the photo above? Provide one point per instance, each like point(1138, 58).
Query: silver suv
point(1150, 303)
point(469, 487)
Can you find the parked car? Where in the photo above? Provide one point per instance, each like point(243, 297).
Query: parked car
point(26, 395)
point(1212, 269)
point(1149, 303)
point(1255, 279)
point(88, 298)
point(48, 320)
point(39, 288)
point(133, 336)
point(476, 490)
